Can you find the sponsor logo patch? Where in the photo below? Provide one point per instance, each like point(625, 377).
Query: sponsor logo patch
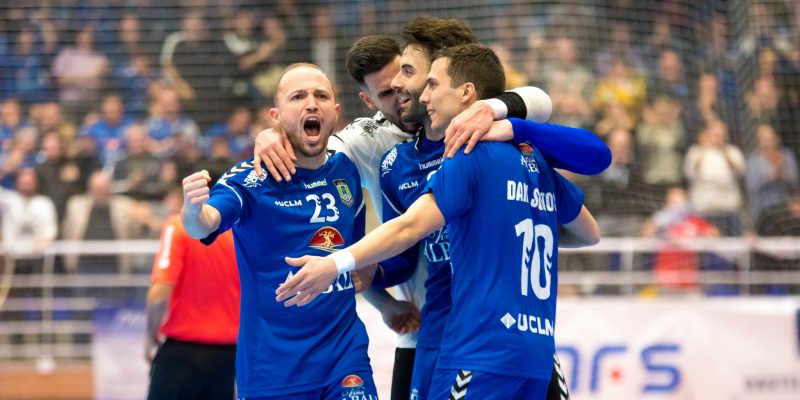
point(327, 239)
point(252, 180)
point(352, 381)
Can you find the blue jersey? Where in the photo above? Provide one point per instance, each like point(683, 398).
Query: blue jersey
point(287, 350)
point(502, 207)
point(405, 170)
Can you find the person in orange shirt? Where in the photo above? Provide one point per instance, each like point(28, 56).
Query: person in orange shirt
point(192, 315)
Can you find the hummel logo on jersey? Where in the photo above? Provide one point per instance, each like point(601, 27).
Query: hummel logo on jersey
point(314, 185)
point(388, 161)
point(253, 180)
point(459, 389)
point(408, 185)
point(431, 163)
point(508, 320)
point(241, 167)
point(289, 203)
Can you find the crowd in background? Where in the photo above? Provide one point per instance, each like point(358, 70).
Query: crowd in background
point(107, 105)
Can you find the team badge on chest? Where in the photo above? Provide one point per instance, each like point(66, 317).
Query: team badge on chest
point(344, 191)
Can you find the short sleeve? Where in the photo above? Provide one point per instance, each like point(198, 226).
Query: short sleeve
point(453, 185)
point(569, 199)
point(228, 199)
point(168, 262)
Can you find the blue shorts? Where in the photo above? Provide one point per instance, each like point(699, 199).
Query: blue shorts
point(462, 385)
point(424, 365)
point(357, 386)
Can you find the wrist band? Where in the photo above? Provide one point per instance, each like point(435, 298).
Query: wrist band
point(344, 260)
point(499, 108)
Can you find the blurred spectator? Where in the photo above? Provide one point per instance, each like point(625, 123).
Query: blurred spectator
point(98, 215)
point(11, 120)
point(47, 117)
point(676, 269)
point(569, 84)
point(661, 143)
point(198, 66)
point(721, 57)
point(767, 104)
point(621, 85)
point(134, 79)
point(714, 168)
point(137, 174)
point(783, 220)
point(323, 42)
point(58, 175)
point(661, 39)
point(108, 131)
point(29, 226)
point(253, 53)
point(514, 76)
point(616, 196)
point(709, 107)
point(79, 71)
point(613, 116)
point(28, 218)
point(669, 79)
point(620, 47)
point(764, 31)
point(166, 123)
point(771, 173)
point(21, 154)
point(27, 75)
point(236, 132)
point(129, 42)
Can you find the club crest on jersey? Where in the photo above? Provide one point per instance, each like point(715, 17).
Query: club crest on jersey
point(327, 239)
point(344, 191)
point(252, 180)
point(527, 159)
point(352, 381)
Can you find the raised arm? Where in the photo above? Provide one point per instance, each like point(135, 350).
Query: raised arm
point(199, 218)
point(389, 239)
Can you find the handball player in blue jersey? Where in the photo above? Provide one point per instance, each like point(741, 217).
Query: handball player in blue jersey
point(502, 206)
point(319, 353)
point(405, 170)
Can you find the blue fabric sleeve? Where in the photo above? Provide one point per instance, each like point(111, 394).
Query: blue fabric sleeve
point(397, 269)
point(569, 199)
point(229, 202)
point(573, 149)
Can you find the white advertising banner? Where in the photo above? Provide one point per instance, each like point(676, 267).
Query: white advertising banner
point(707, 349)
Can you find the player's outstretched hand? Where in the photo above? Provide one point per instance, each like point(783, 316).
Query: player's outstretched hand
point(195, 191)
point(401, 316)
point(276, 152)
point(468, 127)
point(314, 277)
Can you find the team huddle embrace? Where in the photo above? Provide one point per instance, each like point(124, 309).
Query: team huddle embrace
point(462, 175)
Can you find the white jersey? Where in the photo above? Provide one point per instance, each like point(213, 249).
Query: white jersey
point(365, 141)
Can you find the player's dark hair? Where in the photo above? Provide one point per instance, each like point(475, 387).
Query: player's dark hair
point(478, 64)
point(370, 54)
point(433, 34)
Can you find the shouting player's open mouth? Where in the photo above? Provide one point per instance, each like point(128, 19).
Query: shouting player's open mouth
point(312, 127)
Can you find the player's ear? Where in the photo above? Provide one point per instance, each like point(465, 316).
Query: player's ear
point(275, 116)
point(367, 100)
point(468, 93)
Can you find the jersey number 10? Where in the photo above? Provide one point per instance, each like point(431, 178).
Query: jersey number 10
point(532, 263)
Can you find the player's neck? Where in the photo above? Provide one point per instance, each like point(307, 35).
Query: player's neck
point(314, 162)
point(432, 135)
